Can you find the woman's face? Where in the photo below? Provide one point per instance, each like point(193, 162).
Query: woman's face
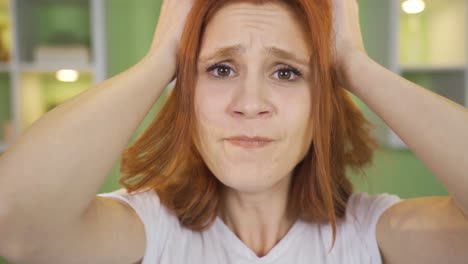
point(249, 85)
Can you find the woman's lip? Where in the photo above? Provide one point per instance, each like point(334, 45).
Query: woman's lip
point(246, 138)
point(249, 143)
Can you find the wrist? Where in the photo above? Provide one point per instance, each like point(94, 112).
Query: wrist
point(159, 63)
point(349, 66)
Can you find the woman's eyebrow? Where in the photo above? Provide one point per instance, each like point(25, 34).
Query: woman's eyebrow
point(223, 52)
point(238, 49)
point(286, 55)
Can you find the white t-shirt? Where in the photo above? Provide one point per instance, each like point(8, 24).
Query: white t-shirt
point(168, 242)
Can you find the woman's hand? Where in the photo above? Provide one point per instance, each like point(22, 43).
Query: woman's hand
point(347, 35)
point(171, 23)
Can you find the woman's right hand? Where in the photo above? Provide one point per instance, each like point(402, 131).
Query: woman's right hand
point(171, 23)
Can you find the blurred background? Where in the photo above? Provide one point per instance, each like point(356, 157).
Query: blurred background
point(52, 50)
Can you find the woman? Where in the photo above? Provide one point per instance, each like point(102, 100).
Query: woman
point(246, 162)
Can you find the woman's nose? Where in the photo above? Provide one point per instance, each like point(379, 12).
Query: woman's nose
point(251, 100)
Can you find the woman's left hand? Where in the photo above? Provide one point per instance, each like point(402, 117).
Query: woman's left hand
point(347, 35)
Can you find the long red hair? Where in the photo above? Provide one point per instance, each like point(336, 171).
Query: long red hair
point(165, 159)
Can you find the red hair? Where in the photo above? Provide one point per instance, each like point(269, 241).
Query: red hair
point(165, 157)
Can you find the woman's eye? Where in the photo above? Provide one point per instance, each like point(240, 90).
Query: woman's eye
point(287, 72)
point(220, 71)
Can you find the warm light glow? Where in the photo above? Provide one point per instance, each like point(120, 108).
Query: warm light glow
point(413, 6)
point(67, 75)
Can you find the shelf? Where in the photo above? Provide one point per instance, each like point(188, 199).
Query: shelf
point(432, 69)
point(53, 67)
point(436, 36)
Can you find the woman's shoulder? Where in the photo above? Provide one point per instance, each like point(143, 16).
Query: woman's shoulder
point(364, 205)
point(145, 202)
point(139, 200)
point(157, 220)
point(356, 234)
point(364, 211)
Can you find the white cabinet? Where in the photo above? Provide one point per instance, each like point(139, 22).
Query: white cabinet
point(55, 50)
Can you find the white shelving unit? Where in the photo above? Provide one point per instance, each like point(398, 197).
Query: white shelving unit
point(430, 48)
point(47, 36)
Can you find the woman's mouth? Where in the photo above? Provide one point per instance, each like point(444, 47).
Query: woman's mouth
point(249, 142)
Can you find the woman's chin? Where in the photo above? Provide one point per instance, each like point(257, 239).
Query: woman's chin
point(248, 182)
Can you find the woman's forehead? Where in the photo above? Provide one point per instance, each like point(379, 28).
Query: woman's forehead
point(251, 9)
point(239, 26)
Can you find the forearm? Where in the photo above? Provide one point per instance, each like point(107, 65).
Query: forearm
point(433, 127)
point(61, 161)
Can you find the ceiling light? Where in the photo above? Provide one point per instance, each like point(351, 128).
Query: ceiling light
point(413, 6)
point(67, 75)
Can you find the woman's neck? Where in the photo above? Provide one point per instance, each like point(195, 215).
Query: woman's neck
point(259, 220)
